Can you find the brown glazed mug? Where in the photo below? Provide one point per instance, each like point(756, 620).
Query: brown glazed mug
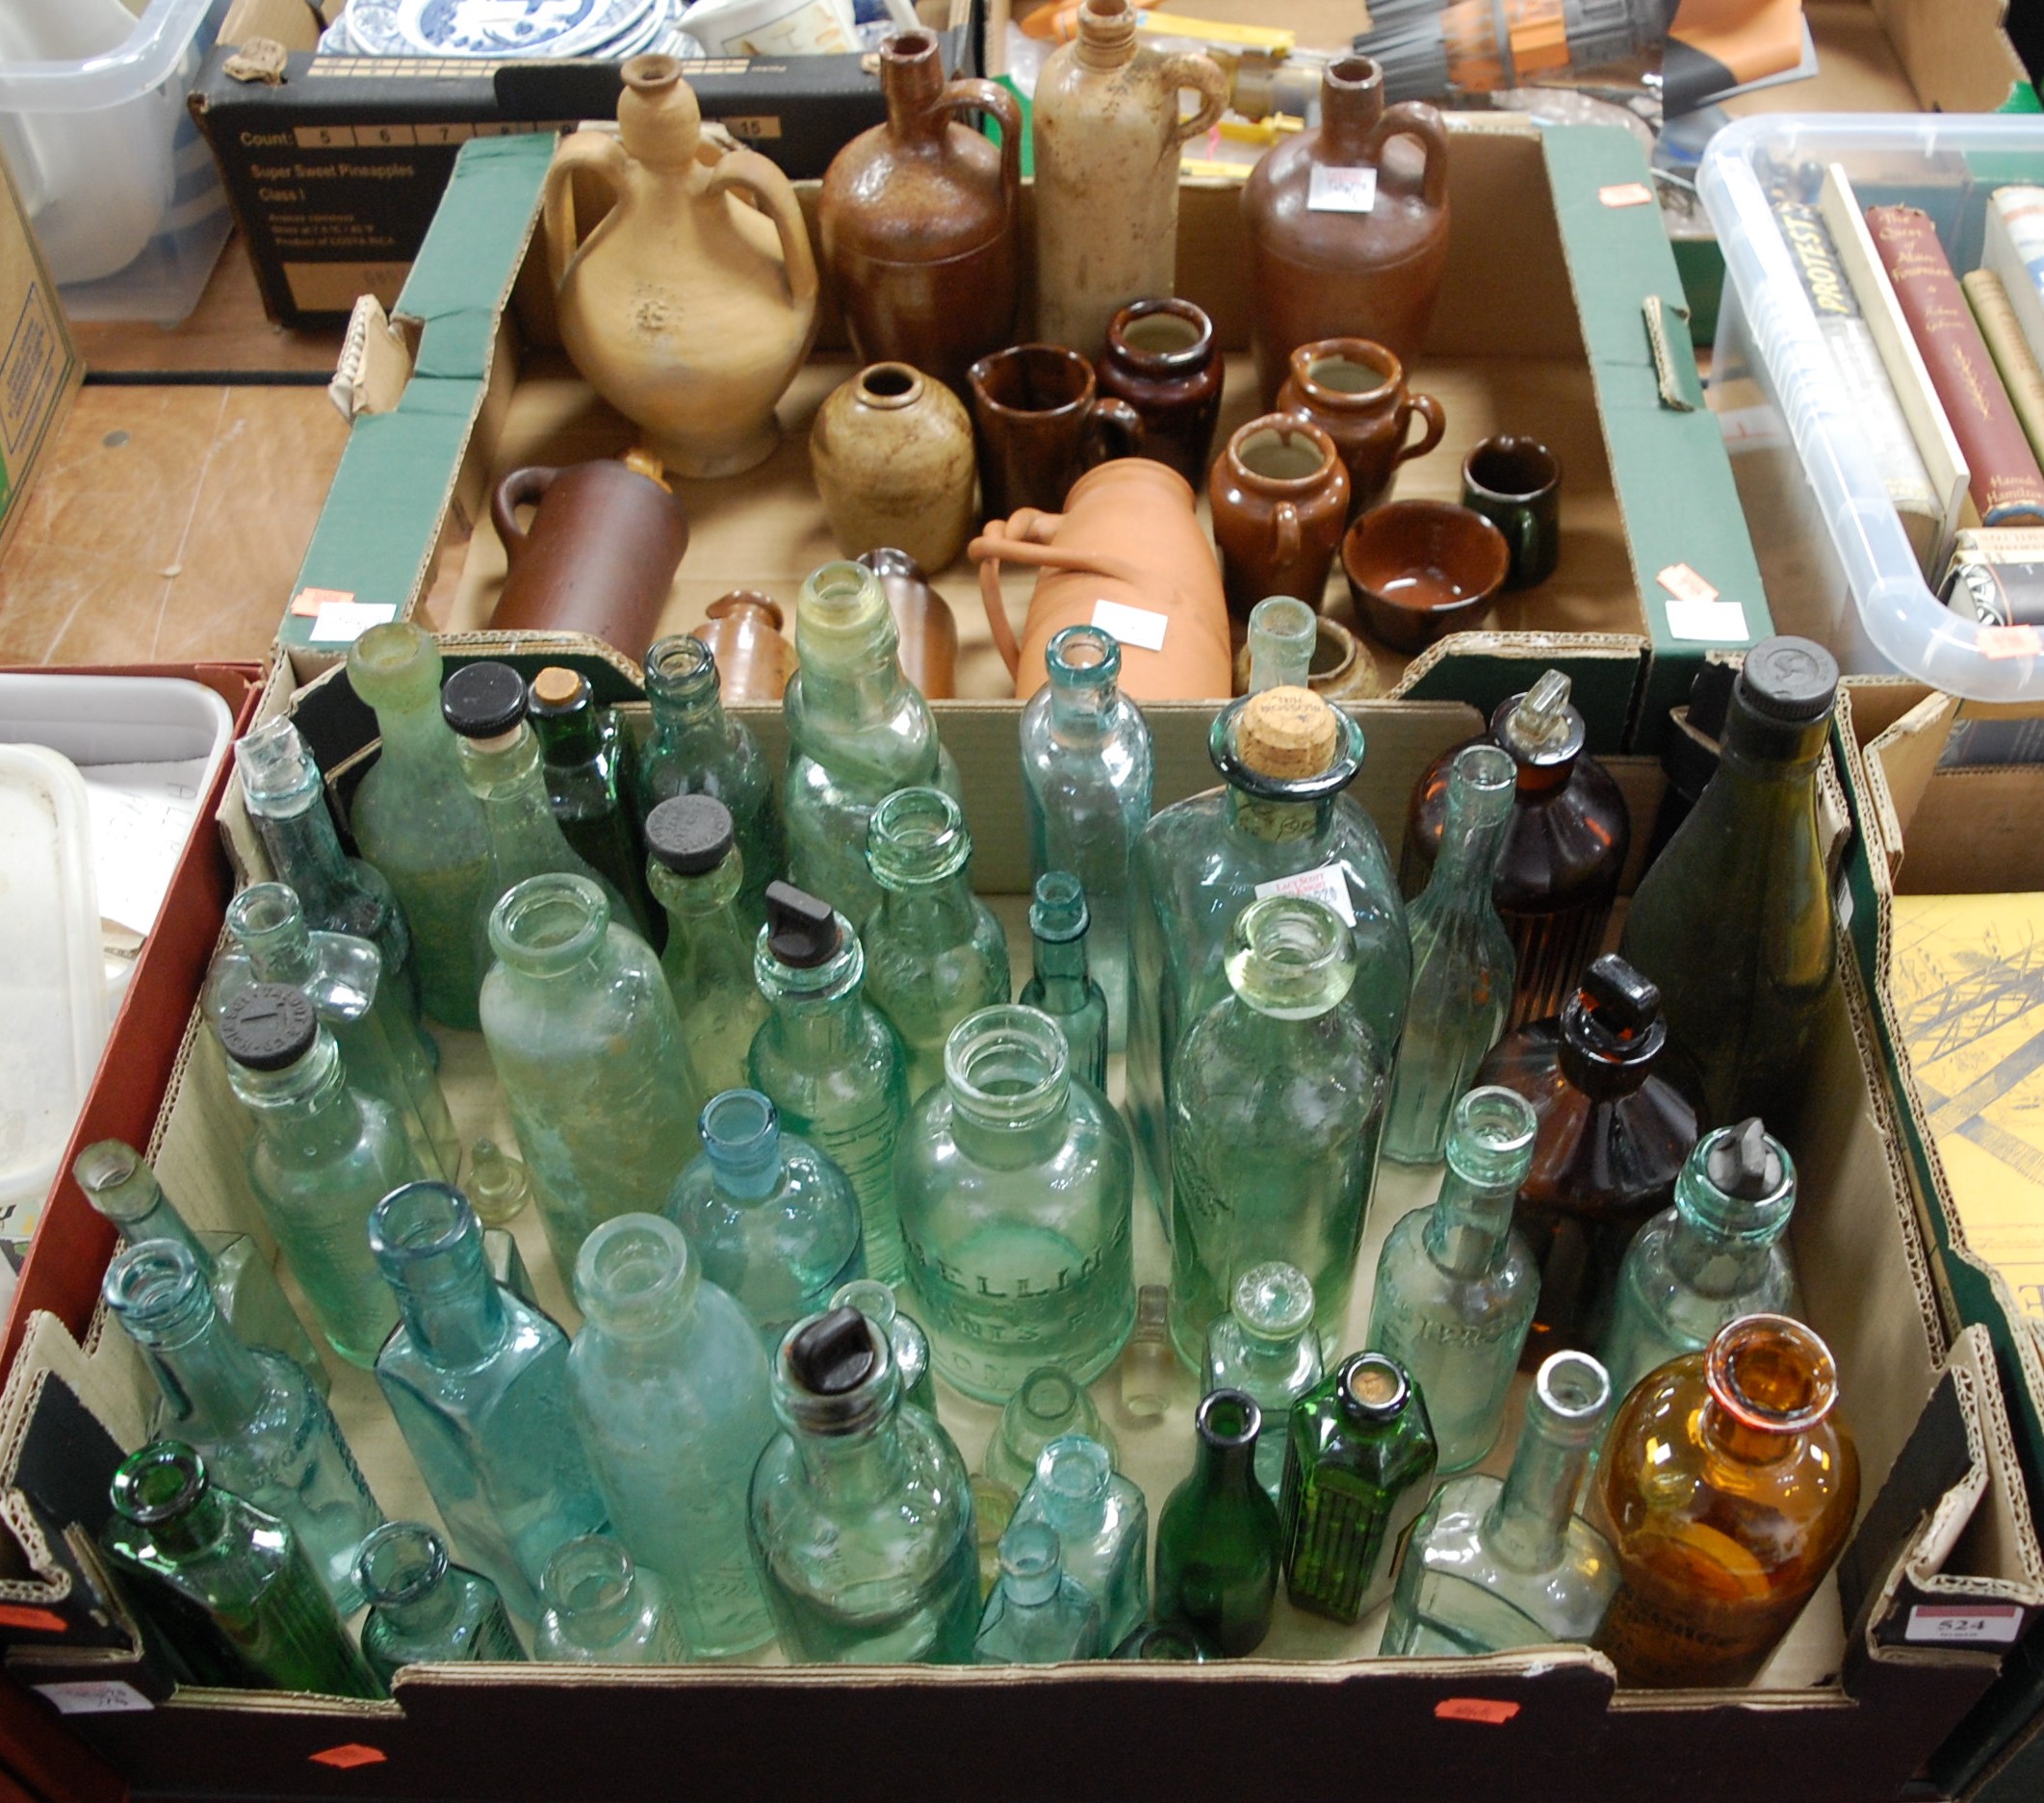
point(1515, 483)
point(1280, 495)
point(755, 659)
point(605, 542)
point(1041, 423)
point(1355, 391)
point(1419, 570)
point(1162, 358)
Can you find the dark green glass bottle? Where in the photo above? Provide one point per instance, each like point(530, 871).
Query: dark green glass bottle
point(586, 754)
point(1216, 1538)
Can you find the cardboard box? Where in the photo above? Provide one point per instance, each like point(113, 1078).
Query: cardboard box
point(40, 365)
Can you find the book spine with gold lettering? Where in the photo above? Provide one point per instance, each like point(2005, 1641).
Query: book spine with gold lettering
point(2010, 350)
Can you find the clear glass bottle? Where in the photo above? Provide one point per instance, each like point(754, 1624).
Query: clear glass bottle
point(697, 749)
point(1059, 981)
point(1282, 633)
point(586, 764)
point(497, 1190)
point(861, 1515)
point(1502, 1563)
point(1717, 1254)
point(858, 729)
point(1457, 1282)
point(424, 1611)
point(934, 951)
point(1037, 1614)
point(582, 1033)
point(1731, 1487)
point(601, 1610)
point(1266, 1347)
point(1277, 1105)
point(120, 1185)
point(1088, 770)
point(1015, 1188)
point(905, 1337)
point(1046, 1405)
point(1462, 962)
point(829, 1061)
point(1280, 824)
point(1150, 1362)
point(773, 1221)
point(697, 874)
point(323, 1155)
point(416, 821)
point(670, 1395)
point(1359, 1467)
point(269, 1621)
point(1218, 1544)
point(265, 1433)
point(478, 1380)
point(1103, 1527)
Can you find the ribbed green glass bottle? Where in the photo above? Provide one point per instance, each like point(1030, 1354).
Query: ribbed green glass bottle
point(1060, 983)
point(697, 874)
point(424, 1611)
point(587, 761)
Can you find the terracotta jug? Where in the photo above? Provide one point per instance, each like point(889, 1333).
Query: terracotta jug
point(922, 619)
point(754, 660)
point(1280, 498)
point(1355, 393)
point(1129, 545)
point(919, 219)
point(687, 310)
point(892, 451)
point(1341, 246)
point(1164, 360)
point(605, 542)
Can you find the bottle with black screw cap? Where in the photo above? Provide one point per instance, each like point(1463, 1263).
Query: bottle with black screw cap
point(588, 763)
point(697, 874)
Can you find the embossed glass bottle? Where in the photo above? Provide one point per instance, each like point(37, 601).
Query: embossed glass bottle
point(425, 1610)
point(697, 874)
point(601, 1610)
point(1267, 1346)
point(1038, 1615)
point(587, 762)
point(1060, 983)
point(1046, 1405)
point(1217, 1545)
point(1103, 1528)
point(905, 1337)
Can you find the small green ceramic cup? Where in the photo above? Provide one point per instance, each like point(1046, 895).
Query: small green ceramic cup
point(1515, 483)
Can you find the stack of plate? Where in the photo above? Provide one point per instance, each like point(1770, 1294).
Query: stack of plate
point(504, 30)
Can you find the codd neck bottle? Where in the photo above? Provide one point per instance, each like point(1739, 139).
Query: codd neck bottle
point(1457, 1282)
point(828, 1060)
point(1462, 962)
point(586, 762)
point(416, 821)
point(1282, 633)
point(323, 1155)
point(1281, 825)
point(1277, 1103)
point(1733, 920)
point(670, 1394)
point(858, 729)
point(424, 1611)
point(1088, 771)
point(585, 1041)
point(1103, 1528)
point(1060, 981)
point(601, 1610)
point(1037, 1614)
point(249, 1611)
point(479, 1381)
point(1046, 1405)
point(697, 749)
point(1014, 1185)
point(1716, 1255)
point(934, 951)
point(905, 1337)
point(121, 1187)
point(773, 1220)
point(499, 1188)
point(861, 1514)
point(1218, 1546)
point(1267, 1346)
point(1496, 1563)
point(253, 1416)
point(697, 874)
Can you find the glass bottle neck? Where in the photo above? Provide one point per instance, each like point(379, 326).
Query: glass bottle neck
point(1226, 1470)
point(310, 1102)
point(425, 1614)
point(1741, 1443)
point(863, 1467)
point(1061, 974)
point(824, 1025)
point(568, 739)
point(1081, 712)
point(214, 1384)
point(451, 1306)
point(160, 1221)
point(1527, 1526)
point(1713, 1263)
point(305, 851)
point(1468, 856)
point(1280, 822)
point(700, 905)
point(194, 1529)
point(855, 692)
point(1466, 1231)
point(688, 710)
point(939, 912)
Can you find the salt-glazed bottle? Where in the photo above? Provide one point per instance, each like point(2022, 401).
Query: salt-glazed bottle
point(858, 729)
point(1457, 1282)
point(1088, 770)
point(1277, 1105)
point(829, 1061)
point(671, 1398)
point(1462, 962)
point(1103, 1528)
point(934, 951)
point(424, 1610)
point(905, 1337)
point(891, 454)
point(1267, 1346)
point(1495, 1564)
point(695, 748)
point(861, 1514)
point(1015, 1187)
point(1106, 131)
point(477, 1379)
point(602, 1610)
point(588, 765)
point(1038, 1614)
point(697, 875)
point(585, 1039)
point(772, 1218)
point(253, 1416)
point(1060, 980)
point(1048, 1405)
point(1219, 1550)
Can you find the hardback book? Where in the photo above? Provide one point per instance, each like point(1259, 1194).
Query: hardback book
point(2010, 350)
point(2013, 249)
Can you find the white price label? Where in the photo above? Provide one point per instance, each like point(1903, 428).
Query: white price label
point(1334, 190)
point(1328, 884)
point(1707, 621)
point(343, 621)
point(106, 1696)
point(1951, 1624)
point(1131, 626)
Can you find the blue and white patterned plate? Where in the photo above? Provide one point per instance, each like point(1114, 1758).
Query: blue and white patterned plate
point(515, 28)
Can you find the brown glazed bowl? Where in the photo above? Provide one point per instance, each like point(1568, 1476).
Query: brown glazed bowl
point(1422, 569)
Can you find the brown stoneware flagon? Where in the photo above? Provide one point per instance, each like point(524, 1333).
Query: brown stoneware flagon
point(1163, 359)
point(754, 658)
point(1279, 497)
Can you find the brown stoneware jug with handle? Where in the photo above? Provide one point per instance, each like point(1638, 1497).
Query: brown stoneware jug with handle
point(687, 308)
point(1279, 497)
point(754, 658)
point(920, 219)
point(605, 542)
point(1354, 391)
point(1340, 246)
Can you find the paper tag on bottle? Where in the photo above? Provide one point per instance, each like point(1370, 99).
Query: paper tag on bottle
point(343, 621)
point(1707, 621)
point(1131, 626)
point(1328, 884)
point(105, 1696)
point(1956, 1624)
point(1335, 190)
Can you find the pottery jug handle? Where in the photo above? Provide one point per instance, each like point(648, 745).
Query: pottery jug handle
point(749, 170)
point(1201, 72)
point(968, 93)
point(598, 153)
point(1113, 429)
point(1285, 522)
point(518, 489)
point(1436, 417)
point(986, 551)
point(1415, 119)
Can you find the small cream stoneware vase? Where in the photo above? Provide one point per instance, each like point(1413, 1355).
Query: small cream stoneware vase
point(892, 454)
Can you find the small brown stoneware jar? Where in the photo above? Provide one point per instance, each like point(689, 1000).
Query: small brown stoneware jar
point(1280, 495)
point(754, 658)
point(1355, 391)
point(1163, 359)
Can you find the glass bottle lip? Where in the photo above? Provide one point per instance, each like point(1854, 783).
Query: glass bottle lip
point(275, 766)
point(681, 667)
point(842, 617)
point(843, 1412)
point(1572, 1392)
point(159, 1292)
point(1771, 1374)
point(396, 662)
point(1284, 625)
point(632, 1272)
point(1340, 772)
point(1372, 1385)
point(549, 923)
point(1083, 657)
point(1008, 1066)
point(1490, 1138)
point(1291, 957)
point(1482, 781)
point(416, 1226)
point(1075, 1470)
point(1274, 1300)
point(1229, 1420)
point(741, 1131)
point(161, 1481)
point(116, 1180)
point(872, 1297)
point(1031, 1561)
point(1752, 1221)
point(917, 838)
point(401, 1562)
point(266, 911)
point(1047, 1396)
point(838, 974)
point(590, 1574)
point(1058, 914)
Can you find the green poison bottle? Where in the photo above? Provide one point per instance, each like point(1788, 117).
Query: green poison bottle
point(424, 1611)
point(1216, 1538)
point(698, 875)
point(587, 762)
point(1059, 983)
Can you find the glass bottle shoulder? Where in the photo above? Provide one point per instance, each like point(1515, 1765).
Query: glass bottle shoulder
point(534, 1349)
point(1238, 1071)
point(1410, 1280)
point(1092, 1156)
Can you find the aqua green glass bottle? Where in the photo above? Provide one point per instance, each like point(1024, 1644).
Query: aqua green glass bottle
point(587, 762)
point(934, 951)
point(239, 1575)
point(1462, 960)
point(425, 1610)
point(602, 1610)
point(1217, 1537)
point(1267, 1346)
point(1276, 1102)
point(905, 1337)
point(697, 875)
point(1038, 1615)
point(1282, 634)
point(829, 1061)
point(1048, 1405)
point(1103, 1527)
point(1060, 981)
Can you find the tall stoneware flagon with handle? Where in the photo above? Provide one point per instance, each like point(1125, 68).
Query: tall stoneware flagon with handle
point(687, 309)
point(1343, 244)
